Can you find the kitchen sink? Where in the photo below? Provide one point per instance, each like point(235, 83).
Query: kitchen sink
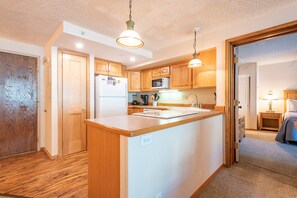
point(166, 114)
point(189, 109)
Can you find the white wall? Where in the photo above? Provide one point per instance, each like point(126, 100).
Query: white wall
point(178, 161)
point(276, 77)
point(16, 47)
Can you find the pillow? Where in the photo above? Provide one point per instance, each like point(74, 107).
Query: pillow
point(292, 105)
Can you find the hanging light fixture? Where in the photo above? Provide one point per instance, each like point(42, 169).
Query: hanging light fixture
point(195, 62)
point(129, 38)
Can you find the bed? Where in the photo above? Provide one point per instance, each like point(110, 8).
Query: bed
point(288, 130)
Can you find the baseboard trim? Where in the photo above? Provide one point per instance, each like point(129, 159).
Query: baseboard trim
point(48, 154)
point(204, 185)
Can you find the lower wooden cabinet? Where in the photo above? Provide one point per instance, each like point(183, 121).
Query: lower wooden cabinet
point(181, 76)
point(132, 110)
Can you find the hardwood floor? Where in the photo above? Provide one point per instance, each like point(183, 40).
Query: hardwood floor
point(35, 175)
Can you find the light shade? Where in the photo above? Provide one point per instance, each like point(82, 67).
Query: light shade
point(195, 62)
point(130, 38)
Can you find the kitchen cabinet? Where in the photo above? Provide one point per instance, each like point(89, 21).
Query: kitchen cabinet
point(161, 72)
point(124, 72)
point(205, 76)
point(146, 80)
point(107, 67)
point(133, 81)
point(132, 110)
point(180, 76)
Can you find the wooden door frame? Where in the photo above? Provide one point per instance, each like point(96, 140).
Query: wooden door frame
point(230, 44)
point(60, 93)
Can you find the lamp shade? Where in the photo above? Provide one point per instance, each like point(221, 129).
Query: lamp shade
point(195, 62)
point(130, 38)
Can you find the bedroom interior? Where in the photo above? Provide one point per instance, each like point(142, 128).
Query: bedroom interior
point(264, 163)
point(267, 84)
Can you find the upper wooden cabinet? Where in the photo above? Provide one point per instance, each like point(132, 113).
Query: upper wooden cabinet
point(181, 76)
point(146, 80)
point(108, 68)
point(205, 76)
point(133, 81)
point(161, 72)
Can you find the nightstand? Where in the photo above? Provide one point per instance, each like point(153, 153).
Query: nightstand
point(270, 120)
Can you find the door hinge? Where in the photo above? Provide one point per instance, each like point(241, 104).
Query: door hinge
point(236, 103)
point(236, 145)
point(235, 59)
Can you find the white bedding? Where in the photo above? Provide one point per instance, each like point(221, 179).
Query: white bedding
point(290, 114)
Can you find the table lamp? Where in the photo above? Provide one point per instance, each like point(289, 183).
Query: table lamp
point(270, 97)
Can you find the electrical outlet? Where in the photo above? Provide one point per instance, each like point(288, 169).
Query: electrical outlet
point(146, 139)
point(159, 195)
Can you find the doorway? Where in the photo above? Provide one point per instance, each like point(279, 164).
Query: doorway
point(231, 103)
point(18, 104)
point(72, 102)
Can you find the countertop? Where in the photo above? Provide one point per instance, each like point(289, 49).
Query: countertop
point(132, 125)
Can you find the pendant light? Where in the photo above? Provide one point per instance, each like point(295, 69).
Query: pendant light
point(195, 62)
point(129, 38)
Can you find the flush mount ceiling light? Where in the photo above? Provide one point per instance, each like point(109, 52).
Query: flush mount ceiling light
point(79, 45)
point(129, 38)
point(195, 62)
point(132, 59)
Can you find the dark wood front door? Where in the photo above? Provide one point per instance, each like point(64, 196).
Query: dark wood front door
point(18, 104)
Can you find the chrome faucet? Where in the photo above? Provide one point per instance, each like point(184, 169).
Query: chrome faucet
point(193, 104)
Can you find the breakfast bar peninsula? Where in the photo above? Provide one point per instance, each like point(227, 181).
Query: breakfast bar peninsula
point(137, 156)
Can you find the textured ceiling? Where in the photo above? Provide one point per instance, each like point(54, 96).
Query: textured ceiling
point(161, 23)
point(276, 50)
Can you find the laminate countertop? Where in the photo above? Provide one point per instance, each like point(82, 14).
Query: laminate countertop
point(132, 125)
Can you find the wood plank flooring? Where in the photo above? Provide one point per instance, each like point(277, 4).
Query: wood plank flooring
point(35, 175)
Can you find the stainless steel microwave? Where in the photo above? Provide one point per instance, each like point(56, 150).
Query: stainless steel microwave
point(160, 83)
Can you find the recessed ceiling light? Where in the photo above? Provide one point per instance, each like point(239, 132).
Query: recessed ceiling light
point(132, 59)
point(79, 45)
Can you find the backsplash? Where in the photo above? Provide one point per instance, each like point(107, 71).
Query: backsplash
point(205, 96)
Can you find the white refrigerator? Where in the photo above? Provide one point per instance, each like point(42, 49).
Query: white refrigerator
point(111, 96)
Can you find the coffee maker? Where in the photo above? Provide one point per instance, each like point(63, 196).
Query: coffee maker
point(134, 102)
point(144, 99)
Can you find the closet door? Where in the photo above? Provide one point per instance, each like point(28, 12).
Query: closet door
point(18, 104)
point(74, 103)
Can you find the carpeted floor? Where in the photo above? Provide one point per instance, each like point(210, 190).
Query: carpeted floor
point(266, 169)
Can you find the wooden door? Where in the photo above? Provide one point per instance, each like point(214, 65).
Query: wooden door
point(18, 104)
point(133, 81)
point(101, 67)
point(146, 80)
point(180, 77)
point(114, 69)
point(74, 103)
